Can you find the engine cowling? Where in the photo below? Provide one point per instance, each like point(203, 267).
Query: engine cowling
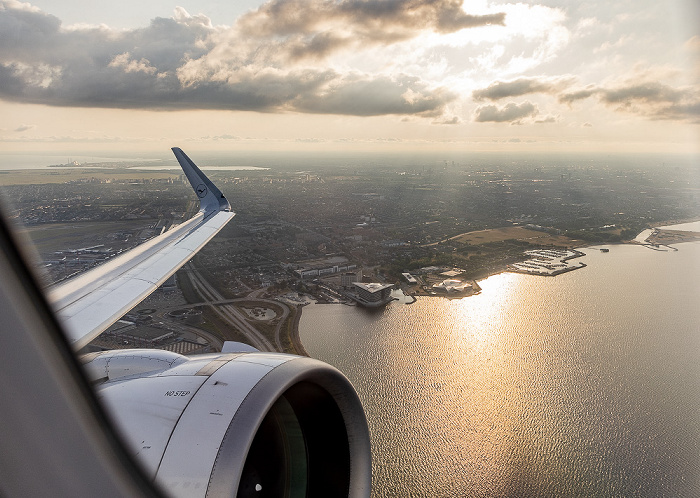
point(237, 424)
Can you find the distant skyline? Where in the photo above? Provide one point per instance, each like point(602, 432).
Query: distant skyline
point(394, 75)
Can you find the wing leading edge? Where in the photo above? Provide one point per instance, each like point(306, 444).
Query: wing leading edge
point(89, 303)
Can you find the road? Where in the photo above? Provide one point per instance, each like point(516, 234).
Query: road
point(280, 319)
point(230, 314)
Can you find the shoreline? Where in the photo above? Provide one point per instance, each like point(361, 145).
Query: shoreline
point(301, 350)
point(294, 333)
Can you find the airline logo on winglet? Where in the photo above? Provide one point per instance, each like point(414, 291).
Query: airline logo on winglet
point(211, 200)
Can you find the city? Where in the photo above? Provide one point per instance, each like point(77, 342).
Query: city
point(463, 260)
point(325, 234)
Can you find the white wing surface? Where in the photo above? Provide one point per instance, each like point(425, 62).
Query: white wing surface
point(89, 303)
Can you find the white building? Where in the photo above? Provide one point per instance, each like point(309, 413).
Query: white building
point(371, 295)
point(410, 278)
point(452, 286)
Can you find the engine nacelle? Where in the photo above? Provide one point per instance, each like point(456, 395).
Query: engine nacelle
point(237, 424)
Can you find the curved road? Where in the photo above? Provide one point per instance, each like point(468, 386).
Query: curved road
point(230, 314)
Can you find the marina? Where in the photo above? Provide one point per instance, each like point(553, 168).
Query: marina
point(548, 262)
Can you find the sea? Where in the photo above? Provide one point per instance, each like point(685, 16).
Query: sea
point(583, 384)
point(302, 160)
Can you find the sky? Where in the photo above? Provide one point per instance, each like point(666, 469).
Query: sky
point(350, 75)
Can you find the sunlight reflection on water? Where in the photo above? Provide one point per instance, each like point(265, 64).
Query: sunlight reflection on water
point(583, 384)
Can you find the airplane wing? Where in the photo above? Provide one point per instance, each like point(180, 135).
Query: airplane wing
point(235, 423)
point(89, 303)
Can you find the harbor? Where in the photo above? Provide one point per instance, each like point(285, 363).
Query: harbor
point(547, 262)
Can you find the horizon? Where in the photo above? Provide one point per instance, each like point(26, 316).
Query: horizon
point(317, 77)
point(274, 159)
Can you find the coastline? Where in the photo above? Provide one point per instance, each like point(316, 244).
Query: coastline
point(301, 350)
point(294, 333)
point(542, 326)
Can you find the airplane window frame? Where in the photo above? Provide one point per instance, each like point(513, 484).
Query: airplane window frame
point(58, 440)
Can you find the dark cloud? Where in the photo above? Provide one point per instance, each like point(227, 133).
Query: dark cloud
point(25, 32)
point(522, 86)
point(568, 98)
point(386, 20)
point(642, 92)
point(318, 28)
point(650, 99)
point(511, 112)
point(33, 37)
point(25, 127)
point(319, 45)
point(185, 63)
point(442, 16)
point(372, 97)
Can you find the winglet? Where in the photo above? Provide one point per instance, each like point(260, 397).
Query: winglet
point(92, 301)
point(211, 200)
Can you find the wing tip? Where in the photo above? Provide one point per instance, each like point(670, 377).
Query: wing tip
point(211, 199)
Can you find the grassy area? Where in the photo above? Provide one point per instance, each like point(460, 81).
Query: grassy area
point(513, 233)
point(477, 260)
point(185, 284)
point(216, 325)
point(51, 237)
point(287, 330)
point(212, 322)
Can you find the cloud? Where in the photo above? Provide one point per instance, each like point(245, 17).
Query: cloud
point(73, 139)
point(569, 98)
point(521, 86)
point(650, 99)
point(454, 120)
point(362, 96)
point(129, 65)
point(274, 59)
point(321, 25)
point(310, 140)
point(649, 92)
point(511, 112)
point(217, 138)
point(25, 127)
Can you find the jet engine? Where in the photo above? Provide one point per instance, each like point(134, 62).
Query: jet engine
point(241, 423)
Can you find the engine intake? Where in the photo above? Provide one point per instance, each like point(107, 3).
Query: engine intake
point(241, 424)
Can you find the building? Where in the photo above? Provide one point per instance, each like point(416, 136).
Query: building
point(452, 273)
point(450, 286)
point(371, 295)
point(410, 278)
point(350, 277)
point(323, 267)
